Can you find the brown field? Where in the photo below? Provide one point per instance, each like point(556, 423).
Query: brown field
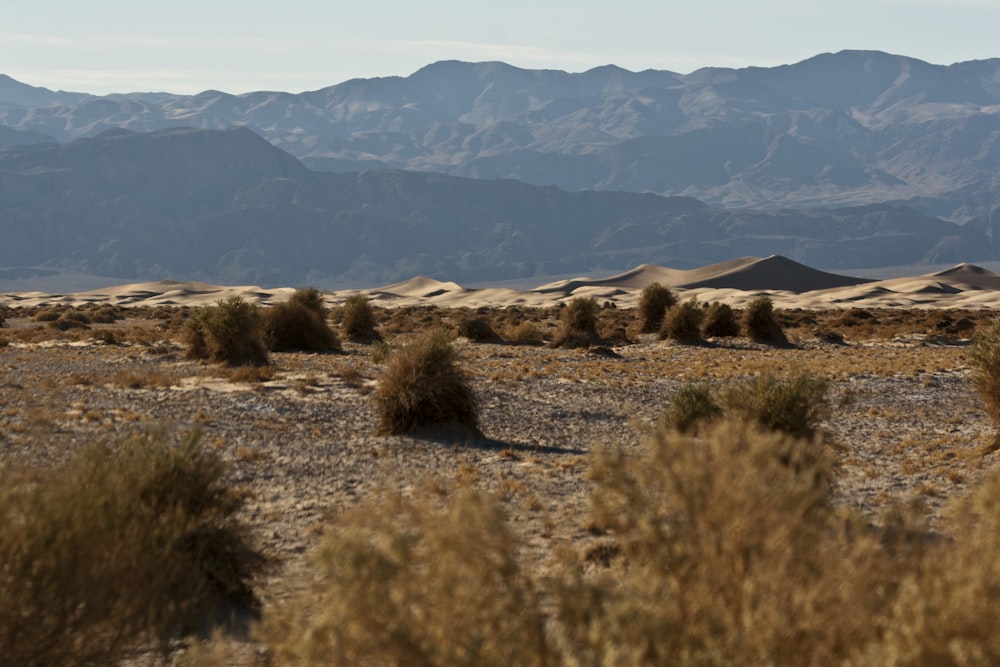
point(907, 430)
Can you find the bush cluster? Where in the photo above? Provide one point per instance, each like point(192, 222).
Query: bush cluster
point(796, 405)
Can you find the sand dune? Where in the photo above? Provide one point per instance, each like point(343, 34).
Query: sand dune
point(788, 283)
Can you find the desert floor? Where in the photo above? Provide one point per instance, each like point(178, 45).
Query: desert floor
point(299, 433)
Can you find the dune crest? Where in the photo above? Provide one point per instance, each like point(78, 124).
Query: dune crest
point(737, 281)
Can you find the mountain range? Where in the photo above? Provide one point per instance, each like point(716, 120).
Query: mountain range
point(227, 206)
point(853, 128)
point(484, 172)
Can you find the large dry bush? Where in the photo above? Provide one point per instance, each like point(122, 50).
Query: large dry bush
point(408, 583)
point(579, 322)
point(359, 319)
point(230, 331)
point(730, 555)
point(682, 323)
point(654, 301)
point(423, 387)
point(761, 323)
point(720, 321)
point(299, 324)
point(131, 542)
point(985, 359)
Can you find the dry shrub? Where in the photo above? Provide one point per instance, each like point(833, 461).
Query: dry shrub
point(683, 323)
point(524, 333)
point(229, 332)
point(761, 324)
point(579, 322)
point(406, 583)
point(477, 329)
point(720, 322)
point(424, 388)
point(944, 611)
point(796, 405)
point(358, 319)
point(299, 324)
point(985, 359)
point(131, 541)
point(692, 406)
point(732, 557)
point(654, 302)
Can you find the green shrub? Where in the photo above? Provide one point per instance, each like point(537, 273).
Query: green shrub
point(692, 406)
point(761, 324)
point(654, 302)
point(720, 322)
point(579, 322)
point(794, 405)
point(683, 323)
point(423, 388)
point(985, 359)
point(131, 541)
point(229, 332)
point(359, 318)
point(299, 324)
point(405, 583)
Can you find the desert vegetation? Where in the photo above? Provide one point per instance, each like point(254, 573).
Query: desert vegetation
point(659, 504)
point(298, 324)
point(654, 302)
point(358, 319)
point(231, 331)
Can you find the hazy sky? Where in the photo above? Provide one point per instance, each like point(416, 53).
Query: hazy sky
point(186, 46)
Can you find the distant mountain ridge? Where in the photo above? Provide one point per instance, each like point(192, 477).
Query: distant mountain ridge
point(846, 129)
point(226, 206)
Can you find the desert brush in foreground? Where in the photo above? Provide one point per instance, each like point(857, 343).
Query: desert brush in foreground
point(132, 542)
point(720, 548)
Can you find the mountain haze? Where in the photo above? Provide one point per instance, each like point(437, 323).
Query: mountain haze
point(226, 206)
point(848, 129)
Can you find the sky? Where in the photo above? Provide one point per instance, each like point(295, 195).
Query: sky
point(187, 46)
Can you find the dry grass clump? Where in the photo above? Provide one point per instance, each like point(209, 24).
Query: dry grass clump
point(299, 324)
point(408, 583)
point(422, 388)
point(358, 319)
point(524, 333)
point(579, 322)
point(230, 331)
point(720, 322)
point(130, 542)
point(654, 302)
point(985, 359)
point(761, 324)
point(682, 323)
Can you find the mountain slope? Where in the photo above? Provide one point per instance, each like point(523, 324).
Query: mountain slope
point(227, 206)
point(851, 128)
